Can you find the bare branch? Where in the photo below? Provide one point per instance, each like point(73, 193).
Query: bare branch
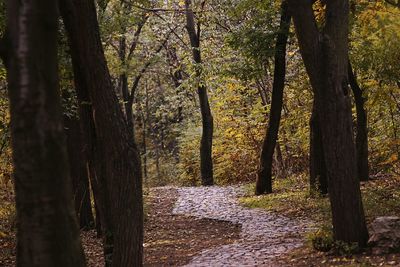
point(136, 35)
point(172, 29)
point(160, 9)
point(144, 69)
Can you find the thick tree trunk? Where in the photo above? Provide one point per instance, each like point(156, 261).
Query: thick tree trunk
point(47, 230)
point(94, 157)
point(325, 56)
point(90, 151)
point(264, 178)
point(362, 128)
point(206, 164)
point(79, 173)
point(318, 176)
point(119, 162)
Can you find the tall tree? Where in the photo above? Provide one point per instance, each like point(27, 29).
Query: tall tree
point(118, 163)
point(325, 56)
point(264, 178)
point(79, 172)
point(318, 176)
point(206, 164)
point(362, 127)
point(47, 230)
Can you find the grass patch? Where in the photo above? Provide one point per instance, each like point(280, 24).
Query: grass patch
point(381, 197)
point(291, 197)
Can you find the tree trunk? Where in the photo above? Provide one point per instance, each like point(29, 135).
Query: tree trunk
point(362, 128)
point(325, 55)
point(94, 157)
point(47, 230)
point(279, 163)
point(98, 220)
point(79, 173)
point(91, 153)
point(264, 178)
point(206, 164)
point(123, 85)
point(318, 176)
point(119, 162)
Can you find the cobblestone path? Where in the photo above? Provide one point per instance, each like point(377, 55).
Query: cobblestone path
point(264, 235)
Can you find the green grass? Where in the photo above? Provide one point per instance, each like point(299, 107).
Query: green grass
point(381, 197)
point(291, 197)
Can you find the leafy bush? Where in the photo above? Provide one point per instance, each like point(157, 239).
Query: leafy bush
point(322, 239)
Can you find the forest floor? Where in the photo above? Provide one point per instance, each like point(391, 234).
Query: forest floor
point(206, 226)
point(381, 197)
point(225, 226)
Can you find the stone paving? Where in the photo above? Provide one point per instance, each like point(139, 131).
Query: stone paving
point(264, 235)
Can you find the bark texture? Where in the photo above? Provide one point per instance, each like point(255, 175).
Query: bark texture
point(318, 176)
point(264, 178)
point(206, 164)
point(79, 173)
point(362, 127)
point(47, 230)
point(118, 162)
point(325, 55)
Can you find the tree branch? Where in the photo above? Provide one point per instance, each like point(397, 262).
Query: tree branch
point(180, 10)
point(393, 3)
point(144, 69)
point(136, 35)
point(308, 35)
point(172, 29)
point(190, 25)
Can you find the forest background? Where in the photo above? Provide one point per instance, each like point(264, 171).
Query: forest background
point(150, 60)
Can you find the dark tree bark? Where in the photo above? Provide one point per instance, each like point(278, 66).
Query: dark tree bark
point(125, 55)
point(119, 163)
point(264, 178)
point(279, 162)
point(206, 164)
point(362, 128)
point(79, 173)
point(47, 230)
point(325, 55)
point(91, 153)
point(318, 175)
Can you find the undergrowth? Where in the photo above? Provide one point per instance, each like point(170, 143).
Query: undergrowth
point(291, 197)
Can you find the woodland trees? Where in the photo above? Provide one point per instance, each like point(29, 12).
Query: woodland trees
point(362, 130)
point(79, 174)
point(264, 178)
point(325, 55)
point(117, 163)
point(206, 166)
point(142, 70)
point(45, 210)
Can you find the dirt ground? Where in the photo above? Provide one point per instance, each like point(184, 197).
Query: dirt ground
point(170, 240)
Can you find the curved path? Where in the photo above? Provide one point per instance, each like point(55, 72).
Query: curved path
point(264, 235)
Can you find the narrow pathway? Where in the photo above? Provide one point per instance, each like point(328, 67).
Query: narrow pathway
point(264, 235)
